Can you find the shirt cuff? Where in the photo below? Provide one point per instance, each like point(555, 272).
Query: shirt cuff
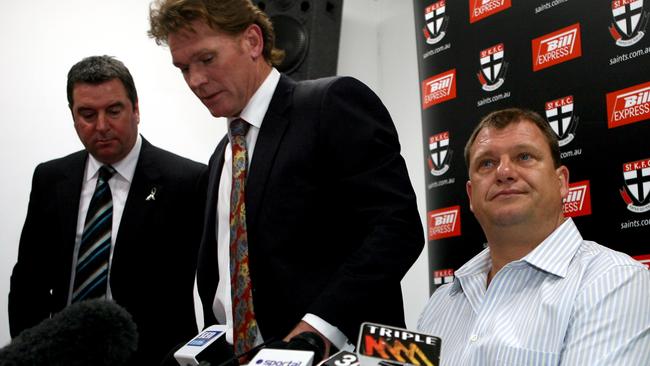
point(332, 333)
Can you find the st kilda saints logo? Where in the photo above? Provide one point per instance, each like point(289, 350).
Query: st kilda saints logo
point(630, 22)
point(493, 67)
point(636, 191)
point(560, 116)
point(436, 22)
point(439, 154)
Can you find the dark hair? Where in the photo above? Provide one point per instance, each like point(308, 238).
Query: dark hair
point(97, 70)
point(503, 118)
point(228, 16)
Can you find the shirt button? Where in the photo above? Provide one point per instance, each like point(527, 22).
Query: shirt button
point(473, 338)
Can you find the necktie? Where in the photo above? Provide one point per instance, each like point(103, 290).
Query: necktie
point(245, 326)
point(91, 276)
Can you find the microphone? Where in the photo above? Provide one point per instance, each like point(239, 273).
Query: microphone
point(304, 349)
point(385, 345)
point(208, 348)
point(92, 332)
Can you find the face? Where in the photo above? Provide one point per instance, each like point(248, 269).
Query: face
point(219, 68)
point(512, 177)
point(105, 119)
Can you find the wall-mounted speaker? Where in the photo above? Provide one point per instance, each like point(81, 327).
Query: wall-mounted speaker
point(308, 31)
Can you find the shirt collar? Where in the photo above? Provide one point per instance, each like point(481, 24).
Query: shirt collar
point(125, 167)
point(553, 255)
point(556, 252)
point(259, 103)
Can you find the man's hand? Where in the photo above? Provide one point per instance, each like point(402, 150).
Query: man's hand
point(305, 327)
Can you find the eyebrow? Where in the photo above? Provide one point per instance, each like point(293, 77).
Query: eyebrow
point(193, 56)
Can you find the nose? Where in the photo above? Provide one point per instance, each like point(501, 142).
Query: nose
point(506, 171)
point(102, 123)
point(195, 78)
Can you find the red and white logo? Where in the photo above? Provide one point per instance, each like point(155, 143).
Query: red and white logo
point(479, 9)
point(439, 88)
point(444, 223)
point(578, 200)
point(559, 114)
point(636, 190)
point(644, 259)
point(628, 105)
point(557, 47)
point(439, 154)
point(436, 22)
point(443, 276)
point(493, 67)
point(630, 22)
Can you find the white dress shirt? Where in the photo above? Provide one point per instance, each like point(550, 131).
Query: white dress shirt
point(120, 184)
point(568, 302)
point(253, 113)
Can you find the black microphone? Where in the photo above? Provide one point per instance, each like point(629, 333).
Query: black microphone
point(92, 332)
point(308, 341)
point(304, 349)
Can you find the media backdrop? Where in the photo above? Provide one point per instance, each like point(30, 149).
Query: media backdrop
point(583, 65)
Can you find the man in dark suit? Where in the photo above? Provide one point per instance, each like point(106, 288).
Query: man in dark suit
point(331, 224)
point(158, 195)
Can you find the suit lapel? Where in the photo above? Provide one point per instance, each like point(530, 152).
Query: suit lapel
point(274, 125)
point(208, 277)
point(146, 180)
point(68, 194)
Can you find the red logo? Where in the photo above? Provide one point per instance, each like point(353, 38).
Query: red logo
point(628, 105)
point(443, 276)
point(479, 9)
point(439, 88)
point(557, 47)
point(578, 200)
point(444, 222)
point(558, 103)
point(644, 259)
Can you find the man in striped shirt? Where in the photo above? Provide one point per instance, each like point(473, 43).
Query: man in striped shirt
point(538, 294)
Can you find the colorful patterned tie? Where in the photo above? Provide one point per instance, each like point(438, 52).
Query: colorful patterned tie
point(91, 276)
point(245, 326)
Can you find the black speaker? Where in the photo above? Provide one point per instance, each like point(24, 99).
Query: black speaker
point(308, 31)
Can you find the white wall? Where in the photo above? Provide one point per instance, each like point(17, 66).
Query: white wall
point(41, 39)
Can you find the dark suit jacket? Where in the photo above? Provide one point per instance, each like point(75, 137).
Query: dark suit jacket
point(331, 214)
point(154, 261)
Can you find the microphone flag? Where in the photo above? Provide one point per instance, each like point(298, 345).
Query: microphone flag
point(385, 345)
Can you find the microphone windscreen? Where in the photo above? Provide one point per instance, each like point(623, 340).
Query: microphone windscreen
point(92, 332)
point(308, 341)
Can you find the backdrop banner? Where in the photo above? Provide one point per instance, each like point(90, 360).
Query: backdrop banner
point(583, 65)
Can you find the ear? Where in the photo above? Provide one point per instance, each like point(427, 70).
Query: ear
point(253, 41)
point(563, 177)
point(136, 111)
point(468, 188)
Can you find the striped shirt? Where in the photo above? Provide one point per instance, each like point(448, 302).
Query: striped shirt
point(568, 302)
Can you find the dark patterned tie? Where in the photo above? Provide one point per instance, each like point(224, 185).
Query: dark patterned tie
point(91, 276)
point(245, 326)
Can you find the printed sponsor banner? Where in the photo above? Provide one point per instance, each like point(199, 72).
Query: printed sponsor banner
point(628, 105)
point(557, 47)
point(444, 223)
point(578, 200)
point(439, 88)
point(480, 9)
